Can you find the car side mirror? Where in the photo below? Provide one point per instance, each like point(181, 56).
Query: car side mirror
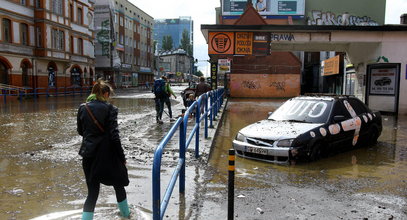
point(339, 118)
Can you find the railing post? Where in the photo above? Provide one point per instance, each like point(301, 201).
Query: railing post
point(182, 142)
point(211, 106)
point(197, 116)
point(231, 184)
point(156, 189)
point(206, 115)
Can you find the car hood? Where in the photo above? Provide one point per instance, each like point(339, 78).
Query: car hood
point(277, 130)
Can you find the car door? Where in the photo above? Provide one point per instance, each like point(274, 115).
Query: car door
point(340, 138)
point(362, 112)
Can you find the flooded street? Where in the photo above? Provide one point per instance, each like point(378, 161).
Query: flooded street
point(366, 183)
point(40, 167)
point(41, 171)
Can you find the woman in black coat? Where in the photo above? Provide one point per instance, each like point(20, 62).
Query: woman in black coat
point(103, 157)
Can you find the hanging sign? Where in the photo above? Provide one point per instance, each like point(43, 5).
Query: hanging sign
point(221, 43)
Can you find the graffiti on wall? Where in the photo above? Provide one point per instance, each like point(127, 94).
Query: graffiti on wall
point(329, 18)
point(280, 86)
point(250, 84)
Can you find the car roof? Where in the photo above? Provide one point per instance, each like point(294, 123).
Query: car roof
point(323, 96)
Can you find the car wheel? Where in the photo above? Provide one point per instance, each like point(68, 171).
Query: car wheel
point(373, 136)
point(316, 153)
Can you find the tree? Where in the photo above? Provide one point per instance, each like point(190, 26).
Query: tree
point(167, 43)
point(199, 73)
point(185, 43)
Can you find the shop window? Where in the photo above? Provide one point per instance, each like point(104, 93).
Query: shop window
point(76, 76)
point(51, 76)
point(7, 30)
point(24, 76)
point(3, 73)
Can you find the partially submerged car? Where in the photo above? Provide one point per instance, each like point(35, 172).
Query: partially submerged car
point(308, 127)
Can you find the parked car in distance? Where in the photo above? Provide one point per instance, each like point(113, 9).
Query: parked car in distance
point(309, 127)
point(382, 81)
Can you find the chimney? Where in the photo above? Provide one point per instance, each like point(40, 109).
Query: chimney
point(403, 19)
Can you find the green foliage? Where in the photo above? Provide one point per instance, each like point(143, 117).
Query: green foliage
point(167, 43)
point(184, 44)
point(198, 73)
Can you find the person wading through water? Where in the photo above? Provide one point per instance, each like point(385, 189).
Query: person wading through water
point(103, 159)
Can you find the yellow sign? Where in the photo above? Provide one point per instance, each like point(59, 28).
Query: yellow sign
point(179, 73)
point(331, 66)
point(243, 43)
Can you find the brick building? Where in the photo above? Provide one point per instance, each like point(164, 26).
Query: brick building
point(46, 43)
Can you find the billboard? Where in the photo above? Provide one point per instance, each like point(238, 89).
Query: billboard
point(265, 7)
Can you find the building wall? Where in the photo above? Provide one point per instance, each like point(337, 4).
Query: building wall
point(41, 49)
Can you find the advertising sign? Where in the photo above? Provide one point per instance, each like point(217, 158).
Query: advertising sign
point(221, 43)
point(382, 81)
point(265, 7)
point(214, 75)
point(261, 44)
point(330, 66)
point(224, 65)
point(243, 43)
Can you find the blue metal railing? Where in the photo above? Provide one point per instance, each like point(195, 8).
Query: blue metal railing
point(216, 101)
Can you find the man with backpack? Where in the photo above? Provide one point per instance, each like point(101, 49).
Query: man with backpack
point(167, 100)
point(160, 95)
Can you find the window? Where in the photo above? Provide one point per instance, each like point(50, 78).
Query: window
point(58, 39)
point(57, 6)
point(357, 106)
point(23, 2)
point(39, 37)
point(38, 3)
point(80, 16)
point(24, 34)
point(72, 12)
point(72, 45)
point(80, 46)
point(7, 30)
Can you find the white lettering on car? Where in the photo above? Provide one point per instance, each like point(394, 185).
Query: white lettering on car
point(354, 123)
point(365, 118)
point(334, 129)
point(322, 131)
point(317, 113)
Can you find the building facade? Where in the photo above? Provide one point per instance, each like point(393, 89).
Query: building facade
point(124, 45)
point(176, 65)
point(46, 43)
point(173, 27)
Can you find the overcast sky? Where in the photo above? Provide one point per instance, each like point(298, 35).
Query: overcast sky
point(203, 12)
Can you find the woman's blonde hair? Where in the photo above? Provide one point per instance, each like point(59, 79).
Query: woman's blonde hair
point(100, 88)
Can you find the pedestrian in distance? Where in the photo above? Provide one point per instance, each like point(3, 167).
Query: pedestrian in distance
point(160, 97)
point(202, 88)
point(103, 158)
point(167, 100)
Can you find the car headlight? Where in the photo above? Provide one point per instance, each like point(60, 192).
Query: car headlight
point(285, 143)
point(240, 137)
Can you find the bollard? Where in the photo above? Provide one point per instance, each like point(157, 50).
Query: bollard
point(231, 184)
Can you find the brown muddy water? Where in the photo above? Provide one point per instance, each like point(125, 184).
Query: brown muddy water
point(41, 175)
point(366, 183)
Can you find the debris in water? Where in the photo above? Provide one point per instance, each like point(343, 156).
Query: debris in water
point(259, 210)
point(241, 196)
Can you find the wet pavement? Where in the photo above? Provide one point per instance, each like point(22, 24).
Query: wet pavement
point(42, 178)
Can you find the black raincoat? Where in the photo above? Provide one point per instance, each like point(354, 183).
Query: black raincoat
point(102, 152)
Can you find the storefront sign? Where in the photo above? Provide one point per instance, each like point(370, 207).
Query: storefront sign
point(261, 44)
point(214, 75)
point(243, 43)
point(330, 66)
point(221, 43)
point(282, 37)
point(382, 81)
point(224, 65)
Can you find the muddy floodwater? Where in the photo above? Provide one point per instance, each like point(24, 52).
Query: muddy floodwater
point(365, 183)
point(41, 175)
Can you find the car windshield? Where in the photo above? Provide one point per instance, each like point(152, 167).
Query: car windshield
point(303, 110)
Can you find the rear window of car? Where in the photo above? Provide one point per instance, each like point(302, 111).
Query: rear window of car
point(358, 106)
point(303, 110)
